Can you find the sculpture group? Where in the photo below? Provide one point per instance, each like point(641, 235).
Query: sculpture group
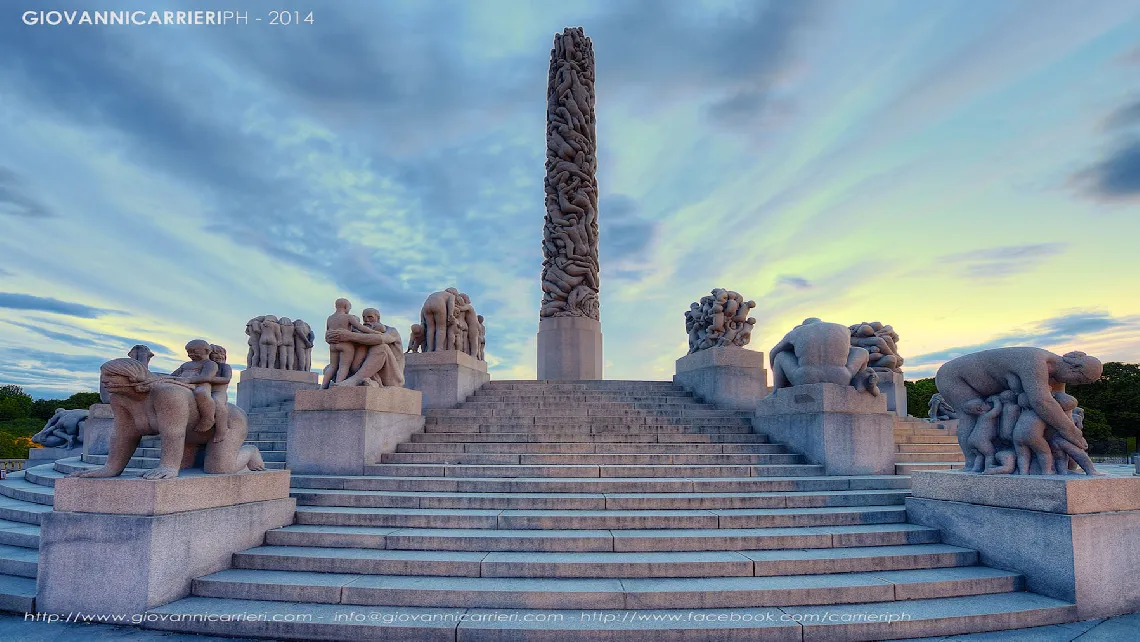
point(188, 409)
point(362, 352)
point(279, 343)
point(448, 321)
point(1014, 415)
point(570, 229)
point(881, 343)
point(719, 319)
point(820, 352)
point(63, 430)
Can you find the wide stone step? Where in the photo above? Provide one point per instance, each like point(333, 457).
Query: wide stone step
point(939, 439)
point(147, 454)
point(907, 458)
point(604, 410)
point(135, 467)
point(15, 510)
point(267, 435)
point(583, 429)
point(17, 593)
point(16, 486)
point(907, 469)
point(606, 459)
point(605, 593)
point(511, 519)
point(19, 534)
point(591, 420)
point(370, 561)
point(600, 484)
point(928, 448)
point(557, 448)
point(583, 437)
point(18, 561)
point(523, 397)
point(601, 540)
point(474, 470)
point(601, 384)
point(595, 501)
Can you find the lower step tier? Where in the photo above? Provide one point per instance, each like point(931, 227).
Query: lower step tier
point(852, 622)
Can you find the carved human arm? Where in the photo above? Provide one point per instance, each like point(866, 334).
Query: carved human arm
point(206, 375)
point(374, 338)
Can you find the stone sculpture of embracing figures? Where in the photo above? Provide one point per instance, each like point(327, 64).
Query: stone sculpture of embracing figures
point(1014, 414)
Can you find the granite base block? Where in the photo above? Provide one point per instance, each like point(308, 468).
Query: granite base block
point(569, 349)
point(894, 390)
point(446, 378)
point(124, 564)
point(1072, 537)
point(341, 430)
point(191, 490)
point(97, 429)
point(41, 455)
point(846, 431)
point(260, 387)
point(729, 377)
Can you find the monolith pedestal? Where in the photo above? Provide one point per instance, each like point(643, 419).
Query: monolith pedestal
point(342, 430)
point(569, 348)
point(846, 431)
point(728, 376)
point(893, 390)
point(445, 377)
point(1073, 537)
point(97, 429)
point(122, 545)
point(260, 387)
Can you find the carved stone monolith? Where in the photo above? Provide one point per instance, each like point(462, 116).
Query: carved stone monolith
point(569, 329)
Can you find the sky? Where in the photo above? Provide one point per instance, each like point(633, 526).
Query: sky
point(966, 171)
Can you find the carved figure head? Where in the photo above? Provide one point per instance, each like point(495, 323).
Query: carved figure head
point(198, 350)
point(342, 305)
point(217, 354)
point(285, 321)
point(124, 375)
point(417, 331)
point(141, 353)
point(370, 316)
point(1078, 368)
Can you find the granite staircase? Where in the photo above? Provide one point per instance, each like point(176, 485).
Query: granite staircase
point(921, 445)
point(602, 510)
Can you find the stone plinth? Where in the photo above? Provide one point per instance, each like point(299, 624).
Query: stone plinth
point(1073, 537)
point(846, 431)
point(339, 431)
point(97, 429)
point(140, 543)
point(260, 387)
point(446, 377)
point(729, 377)
point(892, 387)
point(569, 348)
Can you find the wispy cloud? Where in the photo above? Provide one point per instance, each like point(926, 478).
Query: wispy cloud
point(794, 282)
point(14, 301)
point(16, 199)
point(1003, 262)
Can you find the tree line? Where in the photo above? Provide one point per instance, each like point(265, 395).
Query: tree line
point(21, 416)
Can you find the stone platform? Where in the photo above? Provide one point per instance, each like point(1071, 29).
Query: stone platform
point(345, 430)
point(1073, 537)
point(569, 349)
point(97, 429)
point(729, 377)
point(445, 377)
point(261, 387)
point(123, 545)
point(845, 431)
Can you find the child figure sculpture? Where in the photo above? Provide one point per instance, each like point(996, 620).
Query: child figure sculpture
point(200, 370)
point(340, 354)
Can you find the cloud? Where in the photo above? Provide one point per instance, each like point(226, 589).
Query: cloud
point(1002, 262)
point(14, 301)
point(1116, 177)
point(1122, 117)
point(4, 272)
point(83, 338)
point(794, 282)
point(1045, 333)
point(624, 232)
point(15, 199)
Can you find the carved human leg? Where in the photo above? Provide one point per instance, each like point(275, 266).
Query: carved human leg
point(123, 445)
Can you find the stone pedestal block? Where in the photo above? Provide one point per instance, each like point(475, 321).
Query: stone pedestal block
point(892, 387)
point(846, 431)
point(446, 377)
point(97, 429)
point(569, 349)
point(260, 387)
point(729, 377)
point(339, 431)
point(139, 543)
point(1073, 537)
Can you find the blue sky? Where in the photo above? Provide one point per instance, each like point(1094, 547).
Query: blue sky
point(966, 171)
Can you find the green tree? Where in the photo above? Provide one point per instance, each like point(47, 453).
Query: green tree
point(1116, 395)
point(918, 394)
point(14, 403)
